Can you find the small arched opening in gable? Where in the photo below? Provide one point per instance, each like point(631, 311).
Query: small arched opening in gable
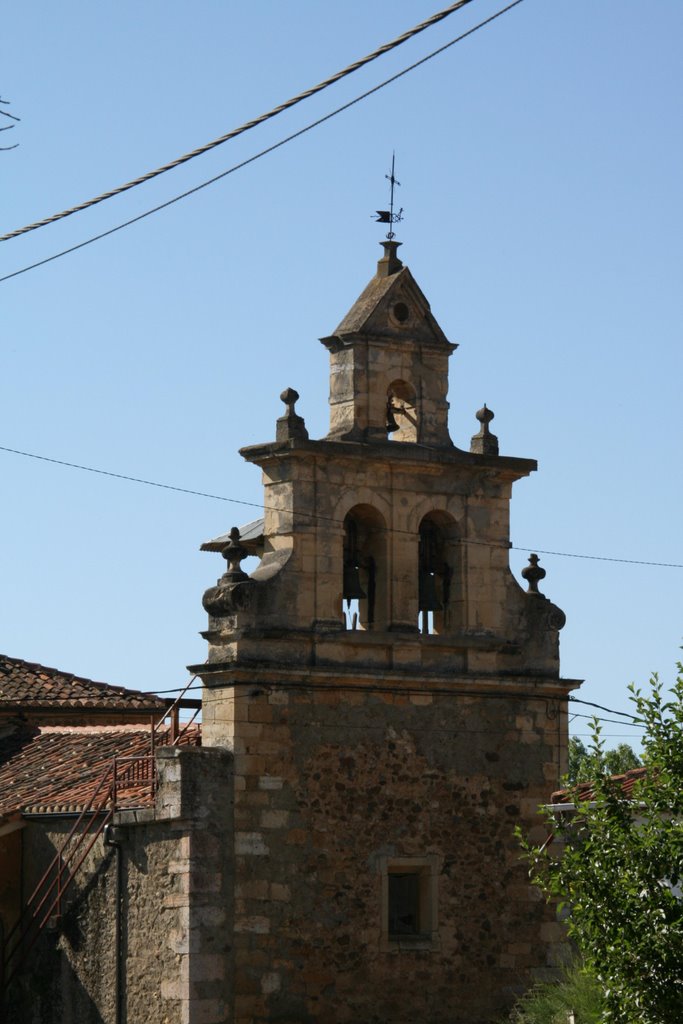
point(439, 579)
point(365, 569)
point(402, 411)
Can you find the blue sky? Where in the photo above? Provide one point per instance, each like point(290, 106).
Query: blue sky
point(540, 163)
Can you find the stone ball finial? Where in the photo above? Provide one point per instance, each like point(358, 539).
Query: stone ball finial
point(234, 552)
point(484, 442)
point(290, 397)
point(291, 426)
point(533, 573)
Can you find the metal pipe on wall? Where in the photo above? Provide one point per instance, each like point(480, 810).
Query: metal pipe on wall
point(110, 839)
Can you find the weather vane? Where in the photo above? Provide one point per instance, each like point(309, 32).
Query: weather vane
point(388, 216)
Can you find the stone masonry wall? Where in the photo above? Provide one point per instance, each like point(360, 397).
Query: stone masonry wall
point(69, 975)
point(195, 806)
point(175, 922)
point(329, 784)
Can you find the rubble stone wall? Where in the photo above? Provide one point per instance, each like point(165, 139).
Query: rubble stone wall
point(331, 785)
point(169, 962)
point(69, 974)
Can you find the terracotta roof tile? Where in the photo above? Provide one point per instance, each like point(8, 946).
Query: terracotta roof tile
point(585, 789)
point(50, 769)
point(28, 685)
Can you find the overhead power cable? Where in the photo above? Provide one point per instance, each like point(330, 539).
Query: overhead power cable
point(315, 515)
point(248, 125)
point(600, 707)
point(635, 722)
point(602, 558)
point(570, 698)
point(614, 721)
point(389, 688)
point(261, 153)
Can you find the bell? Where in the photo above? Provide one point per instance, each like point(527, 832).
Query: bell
point(392, 425)
point(352, 588)
point(428, 600)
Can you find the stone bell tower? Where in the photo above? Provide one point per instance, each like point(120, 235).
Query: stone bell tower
point(391, 695)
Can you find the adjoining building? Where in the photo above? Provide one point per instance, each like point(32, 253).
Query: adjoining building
point(73, 752)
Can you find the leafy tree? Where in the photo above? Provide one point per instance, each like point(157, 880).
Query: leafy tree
point(575, 992)
point(619, 870)
point(617, 761)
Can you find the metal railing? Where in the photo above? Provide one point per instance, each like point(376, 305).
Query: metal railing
point(44, 906)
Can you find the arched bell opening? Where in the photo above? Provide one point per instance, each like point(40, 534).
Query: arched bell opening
point(401, 411)
point(439, 602)
point(364, 589)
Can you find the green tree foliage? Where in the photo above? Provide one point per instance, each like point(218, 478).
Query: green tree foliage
point(616, 761)
point(619, 869)
point(576, 992)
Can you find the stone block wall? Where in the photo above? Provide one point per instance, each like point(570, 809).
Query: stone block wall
point(332, 785)
point(166, 960)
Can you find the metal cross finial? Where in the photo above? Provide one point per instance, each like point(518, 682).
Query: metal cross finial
point(388, 216)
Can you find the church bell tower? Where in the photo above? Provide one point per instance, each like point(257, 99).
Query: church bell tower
point(391, 695)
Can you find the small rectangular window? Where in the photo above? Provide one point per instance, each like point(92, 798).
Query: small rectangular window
point(404, 903)
point(409, 910)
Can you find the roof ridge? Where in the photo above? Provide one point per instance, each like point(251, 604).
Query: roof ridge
point(50, 670)
point(26, 683)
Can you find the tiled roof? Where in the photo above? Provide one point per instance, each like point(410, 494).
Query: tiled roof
point(51, 769)
point(27, 685)
point(584, 790)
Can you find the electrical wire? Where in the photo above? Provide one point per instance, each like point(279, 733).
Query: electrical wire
point(256, 156)
point(601, 558)
point(316, 515)
point(247, 126)
point(130, 479)
point(601, 707)
point(422, 690)
point(614, 721)
point(607, 735)
point(386, 688)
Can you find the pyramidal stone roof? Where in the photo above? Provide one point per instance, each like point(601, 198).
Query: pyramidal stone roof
point(367, 301)
point(24, 684)
point(369, 311)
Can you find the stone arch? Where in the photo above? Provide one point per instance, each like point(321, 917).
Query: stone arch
point(365, 570)
point(422, 507)
point(440, 577)
point(454, 506)
point(402, 411)
point(351, 497)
